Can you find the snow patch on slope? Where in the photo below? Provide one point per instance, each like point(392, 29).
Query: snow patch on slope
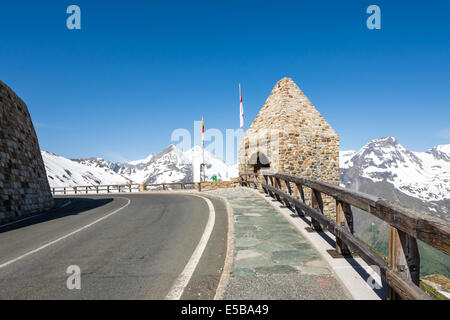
point(345, 158)
point(142, 161)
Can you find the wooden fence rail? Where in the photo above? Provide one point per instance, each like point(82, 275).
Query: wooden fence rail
point(133, 187)
point(401, 271)
point(171, 185)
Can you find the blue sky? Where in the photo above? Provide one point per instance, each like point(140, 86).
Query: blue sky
point(137, 70)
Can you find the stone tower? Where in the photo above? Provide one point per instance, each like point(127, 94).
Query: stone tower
point(290, 136)
point(24, 188)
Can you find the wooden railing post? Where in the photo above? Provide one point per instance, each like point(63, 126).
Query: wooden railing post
point(107, 189)
point(266, 180)
point(289, 190)
point(273, 185)
point(64, 190)
point(316, 203)
point(271, 181)
point(403, 258)
point(278, 186)
point(288, 186)
point(96, 189)
point(302, 197)
point(344, 219)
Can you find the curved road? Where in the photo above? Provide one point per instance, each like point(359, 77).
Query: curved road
point(130, 246)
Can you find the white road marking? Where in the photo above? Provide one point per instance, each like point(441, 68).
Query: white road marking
point(63, 237)
point(17, 221)
point(66, 204)
point(182, 281)
point(32, 216)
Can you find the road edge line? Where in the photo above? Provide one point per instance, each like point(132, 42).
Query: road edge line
point(225, 276)
point(181, 282)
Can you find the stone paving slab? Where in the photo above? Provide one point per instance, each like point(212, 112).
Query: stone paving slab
point(271, 259)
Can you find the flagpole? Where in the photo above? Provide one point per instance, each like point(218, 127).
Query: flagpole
point(240, 97)
point(241, 116)
point(202, 168)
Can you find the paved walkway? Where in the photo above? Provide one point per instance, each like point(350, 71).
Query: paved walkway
point(271, 259)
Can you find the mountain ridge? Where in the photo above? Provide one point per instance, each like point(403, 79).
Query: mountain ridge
point(423, 175)
point(169, 165)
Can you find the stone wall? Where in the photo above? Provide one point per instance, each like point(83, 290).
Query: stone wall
point(24, 188)
point(212, 185)
point(295, 139)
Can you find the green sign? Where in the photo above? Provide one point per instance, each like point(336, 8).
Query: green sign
point(214, 177)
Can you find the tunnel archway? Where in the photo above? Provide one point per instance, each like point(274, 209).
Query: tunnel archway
point(259, 161)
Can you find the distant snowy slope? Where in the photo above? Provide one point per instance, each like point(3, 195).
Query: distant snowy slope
point(63, 172)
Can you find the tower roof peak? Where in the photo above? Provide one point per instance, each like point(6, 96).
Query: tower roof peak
point(287, 108)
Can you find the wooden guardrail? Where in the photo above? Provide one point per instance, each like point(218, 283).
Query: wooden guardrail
point(171, 185)
point(402, 270)
point(133, 187)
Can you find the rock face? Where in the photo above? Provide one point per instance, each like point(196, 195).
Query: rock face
point(24, 188)
point(290, 136)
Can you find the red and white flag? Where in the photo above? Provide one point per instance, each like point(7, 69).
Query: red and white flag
point(241, 109)
point(203, 129)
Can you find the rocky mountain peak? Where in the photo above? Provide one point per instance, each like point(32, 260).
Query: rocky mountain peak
point(441, 152)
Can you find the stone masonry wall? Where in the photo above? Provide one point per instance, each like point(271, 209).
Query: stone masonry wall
point(24, 188)
point(213, 185)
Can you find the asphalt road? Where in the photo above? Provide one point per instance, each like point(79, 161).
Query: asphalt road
point(130, 246)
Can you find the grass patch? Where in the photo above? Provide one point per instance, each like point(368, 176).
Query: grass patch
point(433, 293)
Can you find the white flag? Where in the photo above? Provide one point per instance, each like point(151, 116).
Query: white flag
point(241, 109)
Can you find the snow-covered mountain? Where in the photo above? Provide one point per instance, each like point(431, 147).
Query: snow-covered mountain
point(423, 175)
point(170, 165)
point(63, 172)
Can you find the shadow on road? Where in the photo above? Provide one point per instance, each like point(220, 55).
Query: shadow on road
point(63, 208)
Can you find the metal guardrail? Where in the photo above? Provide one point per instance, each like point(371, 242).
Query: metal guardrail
point(402, 270)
